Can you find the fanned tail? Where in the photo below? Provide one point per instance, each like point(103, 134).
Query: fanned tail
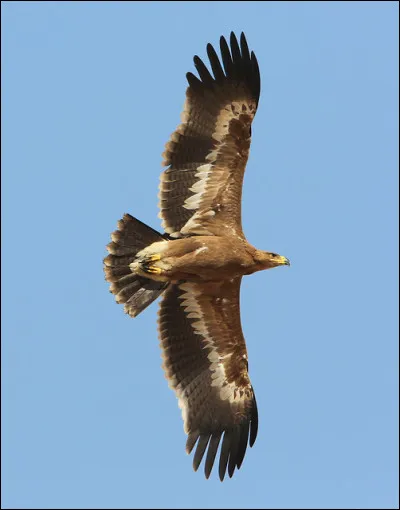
point(135, 291)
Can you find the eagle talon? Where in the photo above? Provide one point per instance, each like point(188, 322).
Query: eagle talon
point(147, 265)
point(153, 270)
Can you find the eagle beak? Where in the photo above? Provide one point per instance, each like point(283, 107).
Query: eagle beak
point(285, 261)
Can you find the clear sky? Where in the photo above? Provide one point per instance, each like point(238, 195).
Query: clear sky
point(90, 94)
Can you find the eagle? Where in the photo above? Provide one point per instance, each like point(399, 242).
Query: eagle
point(198, 262)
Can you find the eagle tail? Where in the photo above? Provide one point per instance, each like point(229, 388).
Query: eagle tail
point(135, 291)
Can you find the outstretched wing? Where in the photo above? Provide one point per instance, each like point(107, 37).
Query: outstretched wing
point(205, 362)
point(201, 190)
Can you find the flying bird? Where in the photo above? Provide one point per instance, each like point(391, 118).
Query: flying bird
point(197, 264)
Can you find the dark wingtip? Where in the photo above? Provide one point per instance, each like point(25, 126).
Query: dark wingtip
point(191, 441)
point(201, 448)
point(211, 453)
point(253, 423)
point(235, 63)
point(244, 48)
point(194, 82)
point(242, 443)
point(233, 38)
point(224, 454)
point(222, 40)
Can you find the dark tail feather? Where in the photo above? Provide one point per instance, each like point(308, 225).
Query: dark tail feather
point(137, 292)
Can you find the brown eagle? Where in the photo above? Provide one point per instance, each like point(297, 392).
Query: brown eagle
point(198, 263)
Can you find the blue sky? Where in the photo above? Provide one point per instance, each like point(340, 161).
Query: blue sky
point(90, 95)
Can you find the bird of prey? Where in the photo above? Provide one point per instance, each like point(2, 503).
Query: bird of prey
point(197, 264)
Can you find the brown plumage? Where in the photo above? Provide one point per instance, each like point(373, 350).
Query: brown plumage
point(199, 262)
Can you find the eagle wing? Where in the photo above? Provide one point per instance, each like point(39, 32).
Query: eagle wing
point(201, 190)
point(205, 361)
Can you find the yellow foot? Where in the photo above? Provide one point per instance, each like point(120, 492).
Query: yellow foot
point(147, 265)
point(153, 270)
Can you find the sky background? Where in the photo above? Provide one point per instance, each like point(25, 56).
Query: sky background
point(90, 95)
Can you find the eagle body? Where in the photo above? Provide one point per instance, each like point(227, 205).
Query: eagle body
point(196, 265)
point(198, 259)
